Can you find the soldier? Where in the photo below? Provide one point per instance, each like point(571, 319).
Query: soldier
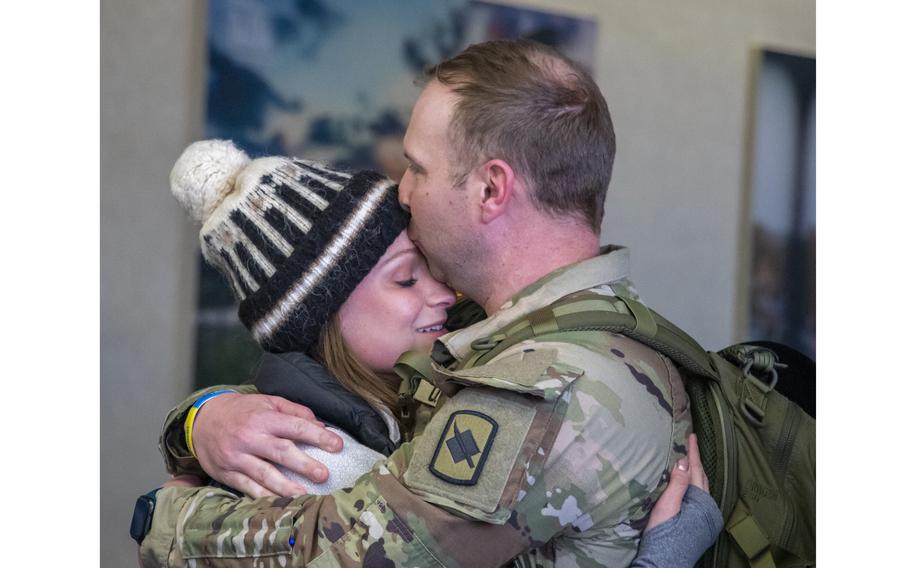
point(558, 445)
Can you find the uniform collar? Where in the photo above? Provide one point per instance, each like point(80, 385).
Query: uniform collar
point(611, 265)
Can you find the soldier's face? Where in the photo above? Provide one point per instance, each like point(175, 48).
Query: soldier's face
point(441, 216)
point(398, 307)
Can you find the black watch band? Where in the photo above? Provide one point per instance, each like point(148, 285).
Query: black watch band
point(142, 515)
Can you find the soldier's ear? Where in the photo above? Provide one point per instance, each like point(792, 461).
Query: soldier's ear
point(497, 186)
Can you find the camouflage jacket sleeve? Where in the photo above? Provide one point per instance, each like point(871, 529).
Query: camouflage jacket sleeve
point(392, 515)
point(378, 522)
point(172, 444)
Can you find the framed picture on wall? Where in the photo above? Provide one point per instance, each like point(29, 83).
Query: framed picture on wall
point(780, 245)
point(334, 81)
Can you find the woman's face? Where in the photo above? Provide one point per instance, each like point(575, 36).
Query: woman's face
point(398, 307)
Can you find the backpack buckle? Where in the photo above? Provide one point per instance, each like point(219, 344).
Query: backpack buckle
point(754, 398)
point(764, 361)
point(487, 343)
point(751, 357)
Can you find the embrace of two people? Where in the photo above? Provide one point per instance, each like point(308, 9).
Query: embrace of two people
point(568, 448)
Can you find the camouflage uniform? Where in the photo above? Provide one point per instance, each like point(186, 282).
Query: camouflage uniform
point(559, 446)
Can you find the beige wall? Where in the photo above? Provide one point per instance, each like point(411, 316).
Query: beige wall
point(151, 86)
point(677, 76)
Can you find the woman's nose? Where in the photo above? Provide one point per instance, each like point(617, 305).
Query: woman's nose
point(442, 296)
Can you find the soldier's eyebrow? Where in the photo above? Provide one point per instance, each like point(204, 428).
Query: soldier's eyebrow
point(411, 159)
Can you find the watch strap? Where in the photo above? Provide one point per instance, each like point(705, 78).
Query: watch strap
point(143, 512)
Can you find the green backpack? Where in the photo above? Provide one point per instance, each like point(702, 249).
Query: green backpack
point(757, 446)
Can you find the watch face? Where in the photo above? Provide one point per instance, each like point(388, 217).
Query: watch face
point(142, 517)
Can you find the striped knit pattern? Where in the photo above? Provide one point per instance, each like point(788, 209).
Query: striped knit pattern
point(293, 239)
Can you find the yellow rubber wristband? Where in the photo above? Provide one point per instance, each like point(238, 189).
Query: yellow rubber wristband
point(191, 417)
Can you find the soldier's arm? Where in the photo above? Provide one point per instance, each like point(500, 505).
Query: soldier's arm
point(172, 444)
point(625, 428)
point(378, 519)
point(475, 461)
point(238, 436)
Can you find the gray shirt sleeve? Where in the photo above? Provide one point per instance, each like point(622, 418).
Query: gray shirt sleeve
point(681, 540)
point(345, 467)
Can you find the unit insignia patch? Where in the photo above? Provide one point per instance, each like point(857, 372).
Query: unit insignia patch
point(464, 447)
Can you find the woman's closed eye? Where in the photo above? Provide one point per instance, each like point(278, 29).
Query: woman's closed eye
point(407, 283)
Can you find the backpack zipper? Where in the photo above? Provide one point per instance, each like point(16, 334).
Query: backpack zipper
point(782, 460)
point(729, 491)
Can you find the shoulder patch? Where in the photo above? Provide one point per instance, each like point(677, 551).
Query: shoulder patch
point(464, 447)
point(477, 442)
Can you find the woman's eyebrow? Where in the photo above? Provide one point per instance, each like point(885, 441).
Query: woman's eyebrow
point(411, 250)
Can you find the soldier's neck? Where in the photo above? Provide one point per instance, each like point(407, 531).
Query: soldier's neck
point(526, 260)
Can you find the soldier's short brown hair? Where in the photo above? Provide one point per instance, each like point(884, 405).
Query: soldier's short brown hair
point(527, 104)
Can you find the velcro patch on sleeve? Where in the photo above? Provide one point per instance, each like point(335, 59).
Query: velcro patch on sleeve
point(469, 450)
point(464, 447)
point(526, 368)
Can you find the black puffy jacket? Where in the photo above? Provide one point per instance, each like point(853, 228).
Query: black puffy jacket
point(300, 379)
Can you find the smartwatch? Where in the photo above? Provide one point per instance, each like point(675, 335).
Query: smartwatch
point(142, 515)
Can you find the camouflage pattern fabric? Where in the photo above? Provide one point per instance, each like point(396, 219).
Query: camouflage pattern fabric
point(550, 454)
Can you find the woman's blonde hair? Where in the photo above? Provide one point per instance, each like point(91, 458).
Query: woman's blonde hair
point(336, 356)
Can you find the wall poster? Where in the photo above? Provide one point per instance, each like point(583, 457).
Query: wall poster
point(781, 294)
point(334, 81)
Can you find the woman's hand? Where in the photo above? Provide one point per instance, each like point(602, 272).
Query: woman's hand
point(684, 522)
point(238, 438)
point(688, 471)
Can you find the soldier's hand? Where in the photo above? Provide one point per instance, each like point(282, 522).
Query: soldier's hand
point(687, 471)
point(237, 436)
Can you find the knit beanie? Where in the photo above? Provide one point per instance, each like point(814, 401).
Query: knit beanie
point(292, 237)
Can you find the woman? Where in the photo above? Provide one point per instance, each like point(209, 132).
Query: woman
point(321, 264)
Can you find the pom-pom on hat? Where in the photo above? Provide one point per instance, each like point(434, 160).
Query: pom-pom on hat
point(292, 237)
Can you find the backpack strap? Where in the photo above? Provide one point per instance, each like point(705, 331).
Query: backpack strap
point(588, 312)
point(414, 369)
point(745, 532)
